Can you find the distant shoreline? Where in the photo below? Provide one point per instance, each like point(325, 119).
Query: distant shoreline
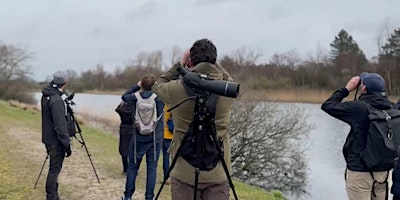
point(292, 95)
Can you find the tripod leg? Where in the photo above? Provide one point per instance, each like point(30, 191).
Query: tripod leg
point(229, 177)
point(171, 167)
point(168, 173)
point(79, 130)
point(40, 173)
point(196, 182)
point(87, 152)
point(221, 157)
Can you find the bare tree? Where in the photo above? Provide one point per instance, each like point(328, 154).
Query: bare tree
point(99, 76)
point(175, 55)
point(289, 59)
point(153, 59)
point(246, 57)
point(266, 148)
point(14, 72)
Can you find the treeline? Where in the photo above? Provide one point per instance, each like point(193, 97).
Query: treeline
point(284, 70)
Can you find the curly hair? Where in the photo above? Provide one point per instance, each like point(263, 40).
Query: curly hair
point(203, 51)
point(148, 81)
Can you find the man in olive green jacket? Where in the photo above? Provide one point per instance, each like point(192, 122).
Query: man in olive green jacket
point(169, 88)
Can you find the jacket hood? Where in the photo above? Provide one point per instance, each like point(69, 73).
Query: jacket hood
point(377, 100)
point(48, 91)
point(209, 69)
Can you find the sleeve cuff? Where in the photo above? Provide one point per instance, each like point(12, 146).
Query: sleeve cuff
point(344, 91)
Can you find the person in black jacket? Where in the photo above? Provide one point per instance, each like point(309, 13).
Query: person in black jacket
point(361, 183)
point(395, 190)
point(55, 134)
point(125, 112)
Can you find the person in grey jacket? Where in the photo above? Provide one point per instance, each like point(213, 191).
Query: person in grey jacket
point(55, 134)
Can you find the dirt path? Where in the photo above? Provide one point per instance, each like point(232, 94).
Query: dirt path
point(77, 179)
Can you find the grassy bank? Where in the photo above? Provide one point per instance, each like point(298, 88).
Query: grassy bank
point(22, 155)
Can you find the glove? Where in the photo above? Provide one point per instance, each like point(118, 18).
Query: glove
point(68, 151)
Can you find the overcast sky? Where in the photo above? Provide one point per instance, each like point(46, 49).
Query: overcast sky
point(79, 34)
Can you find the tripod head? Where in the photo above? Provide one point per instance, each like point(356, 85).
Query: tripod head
point(72, 124)
point(68, 99)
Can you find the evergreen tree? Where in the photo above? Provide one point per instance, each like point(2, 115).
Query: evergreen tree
point(346, 55)
point(392, 47)
point(389, 62)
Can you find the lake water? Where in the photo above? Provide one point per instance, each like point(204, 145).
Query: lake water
point(324, 156)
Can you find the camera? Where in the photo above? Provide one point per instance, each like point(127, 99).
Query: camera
point(203, 82)
point(70, 95)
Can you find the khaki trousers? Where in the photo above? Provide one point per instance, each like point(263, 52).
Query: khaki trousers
point(360, 185)
point(205, 191)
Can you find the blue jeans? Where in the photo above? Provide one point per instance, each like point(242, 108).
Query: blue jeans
point(165, 146)
point(133, 168)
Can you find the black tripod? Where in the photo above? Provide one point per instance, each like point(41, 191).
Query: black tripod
point(201, 114)
point(69, 102)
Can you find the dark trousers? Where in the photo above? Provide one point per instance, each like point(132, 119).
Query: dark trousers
point(124, 164)
point(166, 144)
point(57, 154)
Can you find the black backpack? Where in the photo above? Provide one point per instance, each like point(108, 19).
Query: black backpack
point(198, 149)
point(383, 139)
point(71, 125)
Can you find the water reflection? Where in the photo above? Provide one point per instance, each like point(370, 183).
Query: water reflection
point(326, 162)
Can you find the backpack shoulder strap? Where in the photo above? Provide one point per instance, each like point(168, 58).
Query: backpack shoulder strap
point(138, 96)
point(153, 96)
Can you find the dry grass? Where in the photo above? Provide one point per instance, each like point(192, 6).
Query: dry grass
point(115, 92)
point(107, 124)
point(23, 106)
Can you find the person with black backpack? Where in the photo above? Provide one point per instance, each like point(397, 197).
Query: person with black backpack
point(148, 131)
point(55, 133)
point(212, 183)
point(367, 168)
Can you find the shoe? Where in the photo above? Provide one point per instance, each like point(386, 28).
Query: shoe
point(124, 173)
point(125, 198)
